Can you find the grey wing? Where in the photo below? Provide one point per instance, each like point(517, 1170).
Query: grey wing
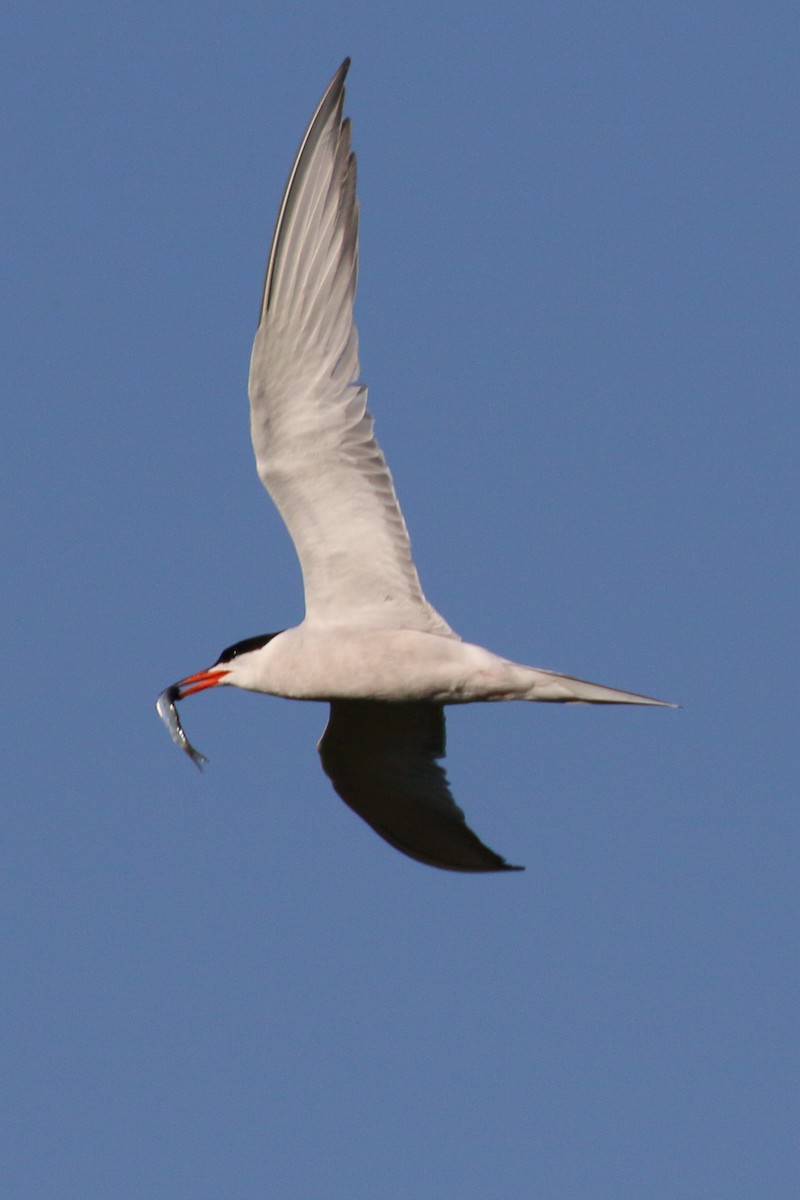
point(382, 760)
point(312, 434)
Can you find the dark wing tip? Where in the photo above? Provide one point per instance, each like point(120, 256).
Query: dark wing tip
point(492, 861)
point(460, 850)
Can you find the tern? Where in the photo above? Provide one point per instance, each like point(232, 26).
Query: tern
point(370, 644)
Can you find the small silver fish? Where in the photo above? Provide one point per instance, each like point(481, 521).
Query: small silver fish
point(165, 707)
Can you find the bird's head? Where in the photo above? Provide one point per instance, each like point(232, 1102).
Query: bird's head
point(238, 665)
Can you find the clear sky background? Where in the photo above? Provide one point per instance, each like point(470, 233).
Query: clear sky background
point(579, 323)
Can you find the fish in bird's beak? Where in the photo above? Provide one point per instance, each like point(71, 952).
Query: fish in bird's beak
point(165, 707)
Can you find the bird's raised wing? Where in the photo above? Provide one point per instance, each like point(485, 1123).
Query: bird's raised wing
point(312, 434)
point(382, 760)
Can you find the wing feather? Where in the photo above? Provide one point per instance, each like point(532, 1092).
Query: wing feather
point(312, 435)
point(382, 761)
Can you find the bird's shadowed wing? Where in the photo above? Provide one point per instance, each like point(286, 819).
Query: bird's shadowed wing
point(312, 434)
point(382, 760)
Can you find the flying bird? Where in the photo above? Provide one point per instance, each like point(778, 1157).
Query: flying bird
point(370, 643)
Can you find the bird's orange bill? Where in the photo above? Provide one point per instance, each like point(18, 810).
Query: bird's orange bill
point(199, 682)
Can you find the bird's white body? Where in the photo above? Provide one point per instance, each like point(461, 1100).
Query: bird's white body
point(318, 662)
point(370, 644)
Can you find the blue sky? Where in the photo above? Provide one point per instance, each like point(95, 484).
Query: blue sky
point(579, 314)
